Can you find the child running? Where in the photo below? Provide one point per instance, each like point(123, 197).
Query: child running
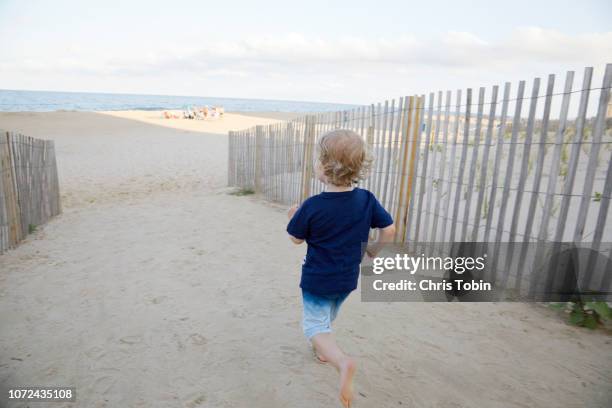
point(335, 224)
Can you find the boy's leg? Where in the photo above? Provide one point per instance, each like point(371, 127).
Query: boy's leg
point(336, 306)
point(326, 346)
point(318, 314)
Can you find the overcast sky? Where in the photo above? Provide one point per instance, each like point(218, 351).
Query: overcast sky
point(340, 51)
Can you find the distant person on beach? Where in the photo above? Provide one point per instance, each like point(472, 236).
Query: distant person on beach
point(334, 224)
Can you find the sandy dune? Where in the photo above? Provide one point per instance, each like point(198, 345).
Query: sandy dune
point(156, 288)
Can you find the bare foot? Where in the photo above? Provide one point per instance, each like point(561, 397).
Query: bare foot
point(347, 371)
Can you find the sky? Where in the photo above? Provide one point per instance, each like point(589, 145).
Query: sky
point(329, 51)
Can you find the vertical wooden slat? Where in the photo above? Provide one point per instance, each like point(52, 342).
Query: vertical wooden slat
point(392, 200)
point(485, 163)
point(451, 172)
point(399, 148)
point(309, 135)
point(388, 176)
point(13, 182)
point(414, 163)
point(474, 160)
point(370, 142)
point(381, 149)
point(432, 182)
point(497, 161)
point(377, 129)
point(423, 174)
point(440, 183)
point(230, 158)
point(459, 185)
point(399, 215)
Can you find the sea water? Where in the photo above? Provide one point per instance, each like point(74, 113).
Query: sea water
point(42, 101)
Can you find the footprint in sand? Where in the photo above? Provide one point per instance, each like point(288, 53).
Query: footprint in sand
point(179, 344)
point(131, 339)
point(102, 385)
point(155, 300)
point(95, 353)
point(197, 401)
point(198, 339)
point(238, 314)
point(200, 252)
point(292, 357)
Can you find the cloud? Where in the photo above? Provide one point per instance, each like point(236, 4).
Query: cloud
point(295, 66)
point(452, 49)
point(554, 46)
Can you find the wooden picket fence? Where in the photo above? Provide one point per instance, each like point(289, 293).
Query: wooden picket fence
point(520, 165)
point(29, 187)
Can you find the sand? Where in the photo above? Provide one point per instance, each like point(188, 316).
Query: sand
point(157, 288)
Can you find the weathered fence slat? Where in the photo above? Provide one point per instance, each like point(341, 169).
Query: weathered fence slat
point(485, 163)
point(389, 151)
point(497, 161)
point(472, 173)
point(413, 165)
point(423, 175)
point(399, 216)
point(440, 181)
point(451, 167)
point(432, 182)
point(459, 184)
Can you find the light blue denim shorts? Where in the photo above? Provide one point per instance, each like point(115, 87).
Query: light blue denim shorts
point(320, 311)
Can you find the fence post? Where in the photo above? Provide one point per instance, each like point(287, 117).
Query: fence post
point(370, 142)
point(412, 165)
point(404, 146)
point(259, 136)
point(309, 136)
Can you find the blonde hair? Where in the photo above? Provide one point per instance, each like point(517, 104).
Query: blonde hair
point(344, 157)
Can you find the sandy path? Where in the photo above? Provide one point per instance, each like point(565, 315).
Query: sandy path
point(186, 296)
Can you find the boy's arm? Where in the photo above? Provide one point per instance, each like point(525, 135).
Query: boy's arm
point(385, 235)
point(295, 240)
point(382, 220)
point(290, 215)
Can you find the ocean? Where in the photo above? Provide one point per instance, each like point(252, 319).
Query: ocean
point(44, 101)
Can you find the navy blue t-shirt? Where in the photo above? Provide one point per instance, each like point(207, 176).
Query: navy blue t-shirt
point(334, 225)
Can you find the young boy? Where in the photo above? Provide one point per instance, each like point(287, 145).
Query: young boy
point(334, 224)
